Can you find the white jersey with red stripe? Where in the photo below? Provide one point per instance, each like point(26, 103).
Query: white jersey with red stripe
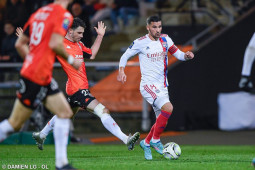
point(152, 57)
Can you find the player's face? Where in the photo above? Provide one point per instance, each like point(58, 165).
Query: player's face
point(154, 29)
point(77, 34)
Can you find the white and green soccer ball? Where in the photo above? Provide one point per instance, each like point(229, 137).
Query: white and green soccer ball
point(172, 150)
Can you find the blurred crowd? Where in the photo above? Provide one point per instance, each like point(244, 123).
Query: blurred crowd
point(14, 13)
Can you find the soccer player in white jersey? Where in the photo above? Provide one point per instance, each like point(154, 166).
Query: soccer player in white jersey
point(249, 57)
point(152, 50)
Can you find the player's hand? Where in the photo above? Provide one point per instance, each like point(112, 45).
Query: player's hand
point(122, 77)
point(100, 29)
point(188, 55)
point(19, 31)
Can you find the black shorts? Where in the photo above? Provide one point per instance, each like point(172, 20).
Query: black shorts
point(81, 98)
point(31, 94)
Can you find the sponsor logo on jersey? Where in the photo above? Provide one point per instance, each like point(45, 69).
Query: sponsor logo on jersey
point(68, 46)
point(78, 56)
point(157, 54)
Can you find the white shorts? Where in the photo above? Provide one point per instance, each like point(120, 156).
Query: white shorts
point(156, 95)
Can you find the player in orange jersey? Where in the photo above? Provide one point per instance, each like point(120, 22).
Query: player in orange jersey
point(45, 31)
point(77, 87)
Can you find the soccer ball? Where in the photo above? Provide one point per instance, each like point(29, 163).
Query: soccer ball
point(172, 150)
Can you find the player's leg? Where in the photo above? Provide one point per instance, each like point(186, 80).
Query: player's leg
point(109, 123)
point(58, 105)
point(19, 115)
point(23, 106)
point(41, 136)
point(161, 122)
point(149, 95)
point(249, 57)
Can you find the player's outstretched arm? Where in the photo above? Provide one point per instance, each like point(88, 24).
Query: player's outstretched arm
point(56, 44)
point(100, 29)
point(122, 76)
point(22, 45)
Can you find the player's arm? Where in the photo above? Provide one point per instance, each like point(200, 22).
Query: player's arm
point(132, 50)
point(180, 55)
point(100, 34)
point(175, 51)
point(22, 45)
point(56, 44)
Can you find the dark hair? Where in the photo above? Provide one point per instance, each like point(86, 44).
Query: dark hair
point(153, 18)
point(78, 22)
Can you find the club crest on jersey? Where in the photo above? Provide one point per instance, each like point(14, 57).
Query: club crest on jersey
point(131, 45)
point(147, 48)
point(164, 44)
point(66, 23)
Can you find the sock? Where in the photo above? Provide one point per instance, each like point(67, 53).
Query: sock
point(61, 131)
point(48, 127)
point(146, 144)
point(113, 127)
point(149, 136)
point(249, 57)
point(155, 140)
point(5, 128)
point(160, 124)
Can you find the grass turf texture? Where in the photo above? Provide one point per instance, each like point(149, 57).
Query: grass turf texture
point(113, 157)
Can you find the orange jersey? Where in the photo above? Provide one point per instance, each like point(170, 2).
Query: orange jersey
point(49, 19)
point(76, 79)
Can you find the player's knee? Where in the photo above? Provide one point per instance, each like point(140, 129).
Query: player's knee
point(100, 109)
point(168, 108)
point(65, 115)
point(15, 124)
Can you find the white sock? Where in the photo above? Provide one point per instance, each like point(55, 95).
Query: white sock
point(48, 127)
point(61, 131)
point(5, 128)
point(146, 144)
point(113, 127)
point(249, 57)
point(155, 140)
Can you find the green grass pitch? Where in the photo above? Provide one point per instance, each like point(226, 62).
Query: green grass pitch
point(117, 157)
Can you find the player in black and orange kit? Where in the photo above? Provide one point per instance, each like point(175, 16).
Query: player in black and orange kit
point(77, 87)
point(45, 32)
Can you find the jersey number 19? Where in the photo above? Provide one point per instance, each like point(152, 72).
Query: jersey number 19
point(37, 32)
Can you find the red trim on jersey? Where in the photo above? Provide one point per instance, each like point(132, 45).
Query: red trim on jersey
point(153, 95)
point(141, 38)
point(165, 61)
